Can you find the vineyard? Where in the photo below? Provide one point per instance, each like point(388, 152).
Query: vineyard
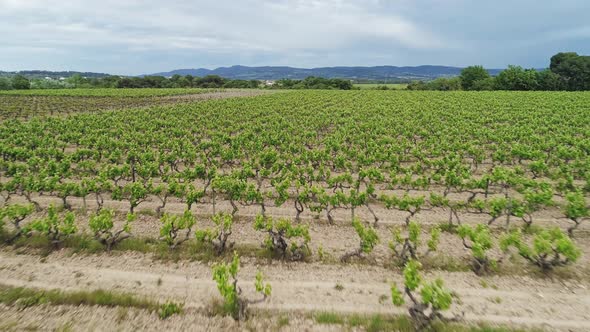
point(107, 92)
point(24, 104)
point(370, 210)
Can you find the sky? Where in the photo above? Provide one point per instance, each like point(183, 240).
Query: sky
point(132, 37)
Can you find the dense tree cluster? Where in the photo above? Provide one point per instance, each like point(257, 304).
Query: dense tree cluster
point(188, 81)
point(20, 82)
point(568, 71)
point(313, 82)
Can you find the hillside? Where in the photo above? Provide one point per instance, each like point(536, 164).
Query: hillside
point(358, 73)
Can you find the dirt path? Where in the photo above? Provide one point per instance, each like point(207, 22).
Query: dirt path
point(306, 287)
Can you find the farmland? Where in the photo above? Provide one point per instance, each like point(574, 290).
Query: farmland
point(24, 104)
point(333, 195)
point(146, 92)
point(373, 86)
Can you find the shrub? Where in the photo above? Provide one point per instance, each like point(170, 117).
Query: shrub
point(412, 205)
point(54, 227)
point(551, 248)
point(102, 226)
point(226, 277)
point(406, 248)
point(575, 210)
point(434, 296)
point(479, 240)
point(284, 239)
point(217, 237)
point(172, 225)
point(368, 240)
point(15, 213)
point(168, 309)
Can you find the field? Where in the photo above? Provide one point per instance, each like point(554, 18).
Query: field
point(371, 86)
point(109, 92)
point(24, 104)
point(332, 195)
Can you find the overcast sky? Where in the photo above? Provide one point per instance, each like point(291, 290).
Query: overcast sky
point(135, 37)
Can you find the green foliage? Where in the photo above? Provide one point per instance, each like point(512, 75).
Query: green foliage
point(226, 277)
point(517, 78)
point(368, 236)
point(260, 286)
point(15, 213)
point(312, 82)
point(217, 236)
point(407, 248)
point(54, 227)
point(434, 296)
point(573, 70)
point(480, 238)
point(439, 84)
point(5, 83)
point(330, 318)
point(284, 238)
point(575, 209)
point(550, 248)
point(26, 297)
point(170, 308)
point(368, 240)
point(397, 297)
point(172, 225)
point(102, 224)
point(481, 242)
point(471, 75)
point(19, 82)
point(135, 192)
point(412, 277)
point(407, 203)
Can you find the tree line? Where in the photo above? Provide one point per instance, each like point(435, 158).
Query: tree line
point(567, 71)
point(20, 82)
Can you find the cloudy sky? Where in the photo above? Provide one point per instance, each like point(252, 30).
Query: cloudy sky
point(135, 37)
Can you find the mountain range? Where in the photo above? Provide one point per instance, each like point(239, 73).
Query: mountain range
point(356, 73)
point(52, 74)
point(377, 73)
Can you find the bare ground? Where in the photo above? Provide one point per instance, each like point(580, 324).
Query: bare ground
point(515, 299)
point(519, 300)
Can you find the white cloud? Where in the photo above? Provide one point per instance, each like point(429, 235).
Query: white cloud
point(224, 25)
point(152, 35)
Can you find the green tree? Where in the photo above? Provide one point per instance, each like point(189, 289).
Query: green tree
point(77, 81)
point(5, 83)
point(487, 84)
point(470, 75)
point(517, 78)
point(549, 81)
point(573, 69)
point(19, 82)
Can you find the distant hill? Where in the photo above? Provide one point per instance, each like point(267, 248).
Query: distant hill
point(53, 74)
point(382, 73)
